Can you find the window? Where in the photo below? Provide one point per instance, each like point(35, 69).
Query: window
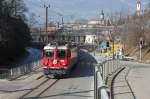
point(49, 53)
point(61, 54)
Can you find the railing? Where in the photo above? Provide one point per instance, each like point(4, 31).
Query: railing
point(4, 73)
point(102, 71)
point(18, 71)
point(15, 72)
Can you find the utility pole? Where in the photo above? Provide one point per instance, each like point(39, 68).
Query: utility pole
point(46, 22)
point(62, 20)
point(40, 33)
point(58, 25)
point(15, 8)
point(141, 45)
point(113, 49)
point(140, 52)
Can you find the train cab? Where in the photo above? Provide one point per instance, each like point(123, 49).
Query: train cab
point(58, 59)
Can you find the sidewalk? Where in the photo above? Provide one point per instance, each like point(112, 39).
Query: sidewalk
point(132, 82)
point(139, 79)
point(121, 89)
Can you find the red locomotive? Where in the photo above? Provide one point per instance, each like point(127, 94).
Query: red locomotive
point(59, 58)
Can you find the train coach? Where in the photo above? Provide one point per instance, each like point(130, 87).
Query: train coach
point(59, 58)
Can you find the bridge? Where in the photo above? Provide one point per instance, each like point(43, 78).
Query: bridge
point(76, 35)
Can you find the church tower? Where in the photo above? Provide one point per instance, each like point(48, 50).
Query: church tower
point(102, 15)
point(102, 18)
point(138, 8)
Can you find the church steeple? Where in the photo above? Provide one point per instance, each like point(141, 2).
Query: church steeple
point(138, 8)
point(102, 15)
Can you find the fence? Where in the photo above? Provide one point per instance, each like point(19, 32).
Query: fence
point(102, 71)
point(18, 71)
point(4, 73)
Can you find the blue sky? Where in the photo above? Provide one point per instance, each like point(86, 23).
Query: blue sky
point(79, 9)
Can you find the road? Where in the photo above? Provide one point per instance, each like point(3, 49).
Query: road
point(79, 85)
point(133, 82)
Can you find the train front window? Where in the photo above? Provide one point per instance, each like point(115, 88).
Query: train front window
point(61, 54)
point(49, 53)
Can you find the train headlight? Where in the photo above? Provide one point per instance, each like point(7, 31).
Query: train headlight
point(63, 62)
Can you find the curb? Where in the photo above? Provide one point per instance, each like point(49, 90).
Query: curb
point(111, 78)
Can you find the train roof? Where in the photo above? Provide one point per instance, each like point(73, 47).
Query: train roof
point(60, 45)
point(48, 47)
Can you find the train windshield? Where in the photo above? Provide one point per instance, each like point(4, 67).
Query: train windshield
point(61, 54)
point(49, 53)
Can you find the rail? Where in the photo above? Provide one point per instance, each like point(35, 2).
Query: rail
point(102, 71)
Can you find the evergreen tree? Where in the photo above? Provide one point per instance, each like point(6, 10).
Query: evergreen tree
point(14, 33)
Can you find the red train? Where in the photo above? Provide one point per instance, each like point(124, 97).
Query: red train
point(59, 58)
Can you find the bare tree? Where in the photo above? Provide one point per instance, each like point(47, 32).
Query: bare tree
point(32, 20)
point(14, 7)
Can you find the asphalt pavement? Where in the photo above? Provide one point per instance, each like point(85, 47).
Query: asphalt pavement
point(79, 85)
point(132, 82)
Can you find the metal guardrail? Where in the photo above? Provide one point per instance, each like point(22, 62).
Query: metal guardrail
point(4, 73)
point(102, 71)
point(18, 71)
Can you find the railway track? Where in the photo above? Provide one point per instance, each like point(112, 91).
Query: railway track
point(26, 74)
point(39, 89)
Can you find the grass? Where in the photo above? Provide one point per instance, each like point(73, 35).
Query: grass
point(145, 54)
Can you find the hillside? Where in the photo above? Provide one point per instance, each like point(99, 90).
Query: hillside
point(136, 54)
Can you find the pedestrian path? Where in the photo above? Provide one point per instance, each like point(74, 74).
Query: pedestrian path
point(139, 80)
point(132, 82)
point(121, 88)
